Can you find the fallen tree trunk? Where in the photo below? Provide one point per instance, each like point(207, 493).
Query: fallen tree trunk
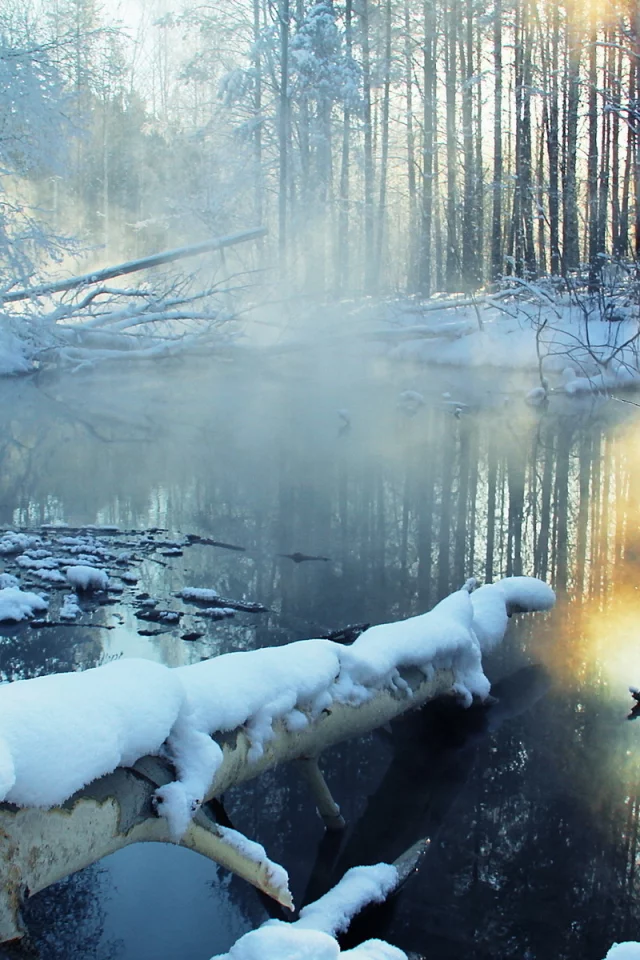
point(133, 266)
point(39, 847)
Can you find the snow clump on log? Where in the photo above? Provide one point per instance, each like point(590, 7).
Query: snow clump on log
point(60, 732)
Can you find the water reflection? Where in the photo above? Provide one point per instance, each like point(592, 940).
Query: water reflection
point(538, 856)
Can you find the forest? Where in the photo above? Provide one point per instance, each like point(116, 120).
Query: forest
point(373, 266)
point(389, 146)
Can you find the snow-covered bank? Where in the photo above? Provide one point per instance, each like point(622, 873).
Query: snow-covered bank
point(59, 733)
point(582, 344)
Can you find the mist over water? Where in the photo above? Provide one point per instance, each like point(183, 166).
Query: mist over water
point(532, 805)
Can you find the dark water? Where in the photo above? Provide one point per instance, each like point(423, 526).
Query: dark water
point(532, 805)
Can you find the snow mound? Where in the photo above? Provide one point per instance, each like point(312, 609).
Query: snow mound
point(442, 638)
point(70, 608)
point(494, 603)
point(13, 359)
point(8, 580)
point(12, 542)
point(200, 594)
point(267, 685)
point(82, 577)
point(282, 941)
point(16, 604)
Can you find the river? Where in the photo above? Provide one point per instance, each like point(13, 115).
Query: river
point(408, 481)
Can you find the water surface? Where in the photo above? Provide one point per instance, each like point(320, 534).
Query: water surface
point(532, 804)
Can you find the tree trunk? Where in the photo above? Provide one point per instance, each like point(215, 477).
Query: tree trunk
point(342, 250)
point(384, 135)
point(283, 132)
point(616, 103)
point(553, 148)
point(369, 248)
point(496, 216)
point(593, 250)
point(257, 113)
point(412, 272)
point(453, 254)
point(469, 218)
point(570, 230)
point(428, 80)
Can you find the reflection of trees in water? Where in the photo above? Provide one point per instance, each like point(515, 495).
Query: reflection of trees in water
point(26, 653)
point(540, 864)
point(67, 919)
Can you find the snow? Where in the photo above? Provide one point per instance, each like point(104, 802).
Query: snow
point(58, 733)
point(70, 608)
point(36, 563)
point(267, 684)
point(282, 941)
point(582, 351)
point(82, 577)
point(49, 576)
point(374, 950)
point(333, 912)
point(443, 637)
point(629, 950)
point(493, 603)
point(199, 594)
point(277, 875)
point(8, 580)
point(196, 757)
point(12, 542)
point(16, 604)
point(12, 354)
point(312, 936)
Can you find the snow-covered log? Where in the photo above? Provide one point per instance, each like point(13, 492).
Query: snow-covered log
point(88, 760)
point(39, 847)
